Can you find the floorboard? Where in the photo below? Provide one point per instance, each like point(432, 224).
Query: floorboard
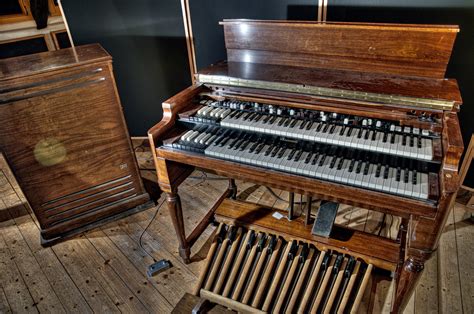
point(104, 270)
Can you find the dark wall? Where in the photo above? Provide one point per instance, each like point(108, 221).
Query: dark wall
point(209, 36)
point(459, 12)
point(209, 39)
point(146, 41)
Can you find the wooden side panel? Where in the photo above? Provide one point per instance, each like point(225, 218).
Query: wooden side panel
point(65, 138)
point(413, 50)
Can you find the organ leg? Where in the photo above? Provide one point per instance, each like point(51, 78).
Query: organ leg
point(176, 212)
point(407, 280)
point(232, 189)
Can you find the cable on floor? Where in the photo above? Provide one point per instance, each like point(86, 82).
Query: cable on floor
point(149, 224)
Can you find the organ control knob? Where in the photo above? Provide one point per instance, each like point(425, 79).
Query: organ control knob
point(378, 124)
point(324, 118)
point(364, 122)
point(279, 111)
point(334, 115)
point(292, 112)
point(392, 127)
point(271, 110)
point(346, 120)
point(369, 122)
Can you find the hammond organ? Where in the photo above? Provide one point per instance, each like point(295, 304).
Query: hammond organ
point(354, 113)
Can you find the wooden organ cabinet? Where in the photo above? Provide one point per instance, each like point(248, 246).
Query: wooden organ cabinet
point(63, 133)
point(352, 113)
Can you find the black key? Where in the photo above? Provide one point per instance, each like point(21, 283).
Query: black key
point(309, 125)
point(399, 173)
point(414, 178)
point(245, 145)
point(246, 116)
point(236, 143)
point(298, 155)
point(343, 129)
point(412, 140)
point(281, 152)
point(269, 150)
point(282, 120)
point(293, 123)
point(302, 125)
point(377, 171)
point(366, 169)
point(315, 158)
point(385, 136)
point(321, 161)
point(304, 253)
point(351, 165)
point(275, 151)
point(292, 153)
point(419, 142)
point(239, 114)
point(293, 249)
point(259, 148)
point(366, 134)
point(258, 117)
point(407, 174)
point(374, 135)
point(251, 239)
point(234, 113)
point(272, 244)
point(253, 147)
point(326, 127)
point(349, 132)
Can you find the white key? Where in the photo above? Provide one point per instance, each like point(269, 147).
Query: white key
point(424, 186)
point(417, 187)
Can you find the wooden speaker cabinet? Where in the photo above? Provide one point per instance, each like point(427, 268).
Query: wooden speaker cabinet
point(63, 133)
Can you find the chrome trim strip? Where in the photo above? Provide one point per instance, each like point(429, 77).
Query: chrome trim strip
point(387, 99)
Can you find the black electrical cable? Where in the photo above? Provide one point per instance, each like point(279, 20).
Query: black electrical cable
point(149, 224)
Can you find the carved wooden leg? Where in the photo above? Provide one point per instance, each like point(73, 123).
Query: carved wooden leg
point(232, 189)
point(406, 282)
point(176, 212)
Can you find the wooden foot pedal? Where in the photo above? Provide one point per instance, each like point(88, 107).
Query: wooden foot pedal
point(254, 271)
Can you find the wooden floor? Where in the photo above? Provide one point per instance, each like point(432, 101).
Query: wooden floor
point(105, 270)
